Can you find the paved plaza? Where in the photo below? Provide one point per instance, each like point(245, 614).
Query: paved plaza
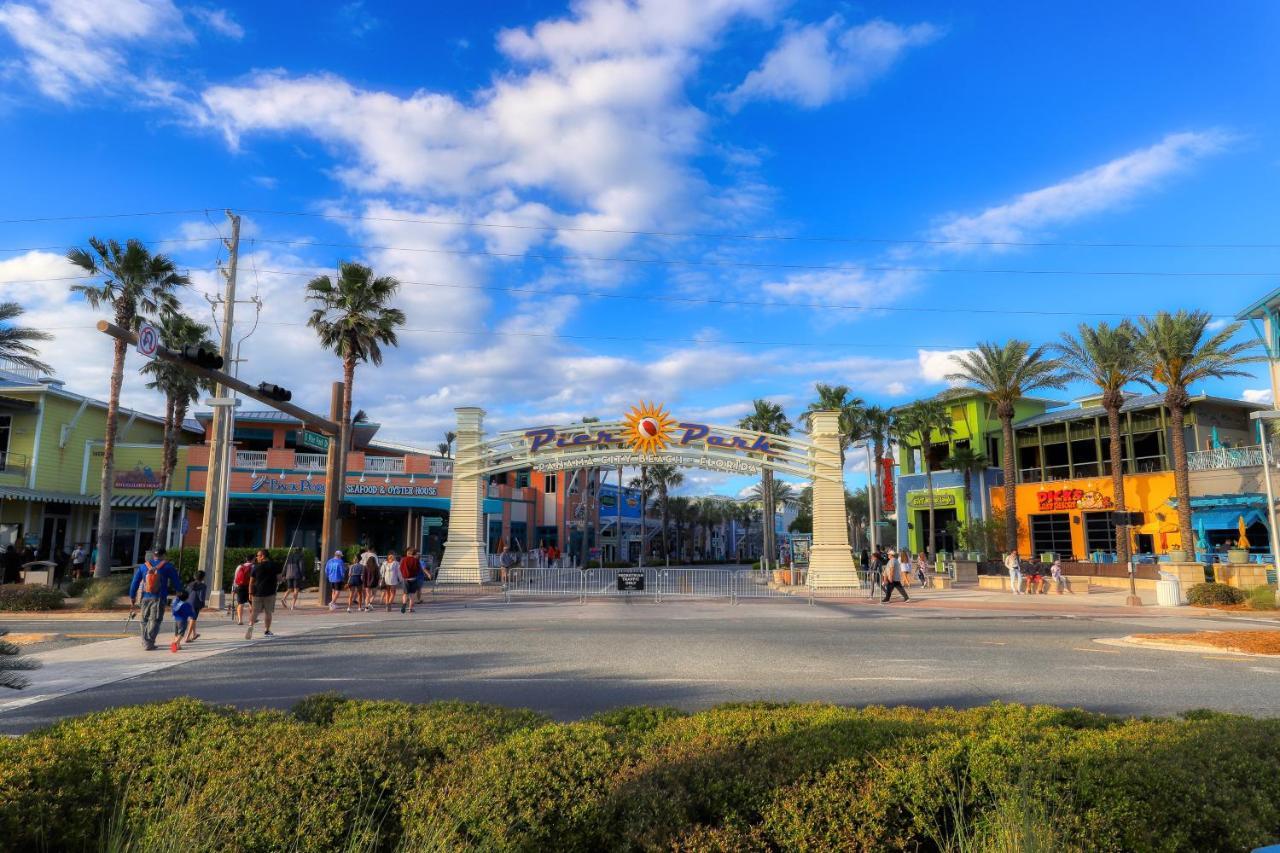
point(569, 659)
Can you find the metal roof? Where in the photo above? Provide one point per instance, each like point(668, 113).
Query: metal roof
point(15, 493)
point(1132, 404)
point(1258, 310)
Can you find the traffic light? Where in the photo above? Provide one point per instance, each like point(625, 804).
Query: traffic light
point(202, 356)
point(275, 392)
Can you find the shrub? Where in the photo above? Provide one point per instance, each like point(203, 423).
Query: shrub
point(77, 587)
point(1262, 598)
point(102, 594)
point(187, 562)
point(21, 597)
point(1209, 594)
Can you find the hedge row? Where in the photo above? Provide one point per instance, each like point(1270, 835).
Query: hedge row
point(355, 775)
point(187, 560)
point(23, 597)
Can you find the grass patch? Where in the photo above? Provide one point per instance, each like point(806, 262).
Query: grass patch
point(104, 593)
point(1252, 642)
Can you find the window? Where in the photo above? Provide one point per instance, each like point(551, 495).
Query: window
point(993, 451)
point(1099, 532)
point(549, 483)
point(5, 422)
point(522, 479)
point(1051, 533)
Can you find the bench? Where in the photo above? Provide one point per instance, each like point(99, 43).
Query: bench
point(941, 582)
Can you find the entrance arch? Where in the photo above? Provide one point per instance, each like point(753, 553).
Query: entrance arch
point(648, 435)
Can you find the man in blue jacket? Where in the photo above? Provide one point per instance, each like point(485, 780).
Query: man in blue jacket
point(335, 571)
point(153, 580)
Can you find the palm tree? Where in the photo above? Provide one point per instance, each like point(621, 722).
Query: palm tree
point(664, 478)
point(1173, 353)
point(135, 284)
point(782, 494)
point(1106, 356)
point(180, 388)
point(835, 398)
point(768, 418)
point(681, 509)
point(1004, 374)
point(967, 461)
point(16, 341)
point(449, 438)
point(443, 449)
point(876, 425)
point(352, 318)
point(921, 420)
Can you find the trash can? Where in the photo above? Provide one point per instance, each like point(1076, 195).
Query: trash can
point(1168, 590)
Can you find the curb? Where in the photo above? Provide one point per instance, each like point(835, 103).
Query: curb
point(1194, 648)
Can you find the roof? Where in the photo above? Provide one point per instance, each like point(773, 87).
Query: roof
point(15, 493)
point(15, 379)
point(1132, 404)
point(1258, 310)
point(948, 395)
point(363, 431)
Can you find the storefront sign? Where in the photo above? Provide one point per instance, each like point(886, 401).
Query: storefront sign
point(887, 496)
point(1060, 499)
point(630, 581)
point(920, 500)
point(649, 429)
point(278, 486)
point(140, 477)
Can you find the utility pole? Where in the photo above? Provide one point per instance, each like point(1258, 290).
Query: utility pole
point(873, 495)
point(335, 475)
point(213, 530)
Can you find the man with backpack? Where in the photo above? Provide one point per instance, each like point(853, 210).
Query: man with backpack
point(153, 580)
point(240, 589)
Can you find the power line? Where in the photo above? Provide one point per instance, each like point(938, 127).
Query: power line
point(697, 235)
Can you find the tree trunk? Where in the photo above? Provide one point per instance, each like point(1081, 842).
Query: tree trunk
point(768, 533)
point(1117, 475)
point(1005, 414)
point(931, 546)
point(666, 545)
point(348, 379)
point(166, 471)
point(102, 569)
point(1178, 444)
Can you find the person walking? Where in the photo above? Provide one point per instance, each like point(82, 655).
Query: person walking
point(292, 577)
point(335, 571)
point(183, 619)
point(893, 579)
point(507, 561)
point(390, 579)
point(372, 575)
point(152, 582)
point(77, 561)
point(199, 598)
point(264, 580)
point(1014, 565)
point(411, 576)
point(355, 585)
point(922, 570)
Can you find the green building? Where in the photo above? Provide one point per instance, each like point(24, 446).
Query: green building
point(51, 468)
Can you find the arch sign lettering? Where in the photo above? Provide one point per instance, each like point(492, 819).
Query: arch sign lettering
point(648, 435)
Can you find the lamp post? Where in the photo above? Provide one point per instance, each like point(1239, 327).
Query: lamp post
point(1264, 416)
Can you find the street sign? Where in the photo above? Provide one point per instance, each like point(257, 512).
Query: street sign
point(630, 581)
point(148, 341)
point(433, 521)
point(313, 440)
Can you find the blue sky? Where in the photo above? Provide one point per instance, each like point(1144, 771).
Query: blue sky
point(893, 146)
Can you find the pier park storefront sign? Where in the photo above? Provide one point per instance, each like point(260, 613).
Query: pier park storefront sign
point(280, 486)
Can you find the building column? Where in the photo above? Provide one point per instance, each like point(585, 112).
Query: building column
point(831, 558)
point(464, 557)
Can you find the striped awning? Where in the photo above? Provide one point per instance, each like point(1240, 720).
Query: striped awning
point(16, 493)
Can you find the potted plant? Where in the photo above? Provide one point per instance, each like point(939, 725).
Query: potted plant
point(1237, 555)
point(1177, 556)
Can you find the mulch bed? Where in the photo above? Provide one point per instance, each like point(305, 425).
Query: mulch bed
point(1252, 642)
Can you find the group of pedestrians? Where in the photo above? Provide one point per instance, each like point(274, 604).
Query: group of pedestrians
point(365, 575)
point(892, 569)
point(1034, 576)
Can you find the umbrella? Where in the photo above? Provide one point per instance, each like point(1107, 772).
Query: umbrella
point(1244, 537)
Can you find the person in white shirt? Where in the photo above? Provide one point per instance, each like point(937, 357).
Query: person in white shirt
point(893, 578)
point(390, 579)
point(1055, 571)
point(1014, 565)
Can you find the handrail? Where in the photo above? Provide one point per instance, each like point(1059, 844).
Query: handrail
point(251, 458)
point(1221, 458)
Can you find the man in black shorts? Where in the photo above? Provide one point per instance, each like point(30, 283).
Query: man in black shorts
point(264, 579)
point(292, 578)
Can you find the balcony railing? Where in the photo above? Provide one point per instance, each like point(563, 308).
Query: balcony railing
point(14, 463)
point(251, 459)
point(310, 461)
point(1143, 465)
point(1224, 457)
point(384, 464)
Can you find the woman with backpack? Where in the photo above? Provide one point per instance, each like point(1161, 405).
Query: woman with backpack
point(240, 589)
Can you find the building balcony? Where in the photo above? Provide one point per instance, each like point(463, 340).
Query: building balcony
point(255, 459)
point(280, 459)
point(1224, 458)
point(1085, 470)
point(384, 464)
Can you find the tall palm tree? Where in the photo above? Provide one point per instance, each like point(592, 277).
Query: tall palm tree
point(352, 318)
point(16, 342)
point(443, 449)
point(180, 388)
point(449, 438)
point(1106, 356)
point(664, 478)
point(769, 418)
point(967, 462)
point(135, 284)
point(681, 509)
point(1003, 374)
point(920, 421)
point(1173, 353)
point(876, 425)
point(836, 398)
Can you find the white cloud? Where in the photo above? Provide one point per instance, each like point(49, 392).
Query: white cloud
point(73, 45)
point(219, 21)
point(1256, 395)
point(935, 365)
point(1095, 190)
point(816, 64)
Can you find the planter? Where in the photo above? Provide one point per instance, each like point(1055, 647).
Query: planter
point(1177, 556)
point(777, 577)
point(786, 577)
point(1237, 556)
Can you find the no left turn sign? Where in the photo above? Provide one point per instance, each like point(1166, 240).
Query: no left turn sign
point(148, 340)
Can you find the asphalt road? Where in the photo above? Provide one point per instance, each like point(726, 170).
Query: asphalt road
point(570, 660)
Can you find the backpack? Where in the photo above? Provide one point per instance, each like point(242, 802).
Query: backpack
point(242, 575)
point(151, 582)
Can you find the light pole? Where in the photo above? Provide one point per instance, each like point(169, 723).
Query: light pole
point(1266, 416)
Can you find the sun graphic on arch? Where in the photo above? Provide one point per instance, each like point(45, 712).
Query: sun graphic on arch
point(648, 427)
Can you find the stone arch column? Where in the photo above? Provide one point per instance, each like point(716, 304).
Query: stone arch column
point(464, 555)
point(830, 557)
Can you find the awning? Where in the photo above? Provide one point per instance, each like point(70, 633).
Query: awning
point(491, 505)
point(16, 493)
point(1226, 519)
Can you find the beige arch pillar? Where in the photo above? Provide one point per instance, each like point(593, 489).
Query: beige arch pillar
point(830, 557)
point(464, 556)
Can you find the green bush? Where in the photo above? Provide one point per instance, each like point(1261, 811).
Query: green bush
point(102, 594)
point(21, 597)
point(187, 562)
point(77, 587)
point(358, 775)
point(1262, 598)
point(1206, 594)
